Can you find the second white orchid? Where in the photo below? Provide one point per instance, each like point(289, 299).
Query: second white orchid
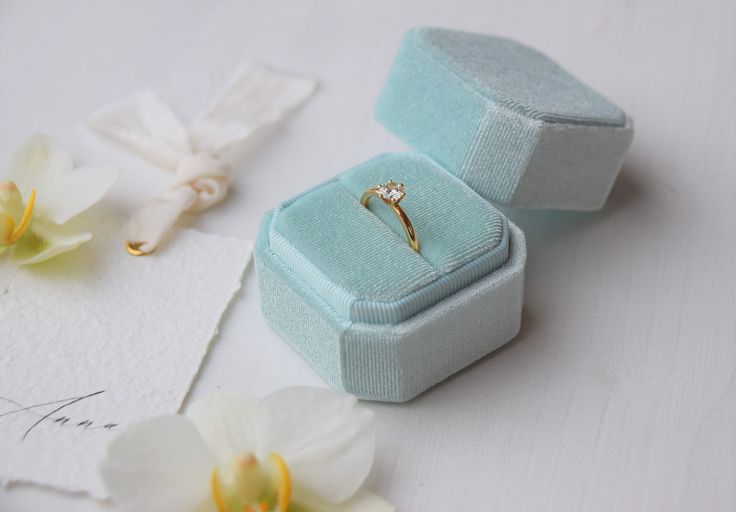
point(42, 192)
point(298, 450)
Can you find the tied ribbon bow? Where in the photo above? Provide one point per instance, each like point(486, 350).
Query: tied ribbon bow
point(202, 156)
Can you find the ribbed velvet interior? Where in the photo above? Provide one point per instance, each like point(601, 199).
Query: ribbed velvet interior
point(358, 258)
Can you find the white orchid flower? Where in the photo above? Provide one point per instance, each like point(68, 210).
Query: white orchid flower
point(42, 191)
point(300, 449)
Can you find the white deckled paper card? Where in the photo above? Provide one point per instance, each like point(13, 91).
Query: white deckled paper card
point(95, 340)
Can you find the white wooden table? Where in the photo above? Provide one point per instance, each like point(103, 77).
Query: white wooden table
point(620, 392)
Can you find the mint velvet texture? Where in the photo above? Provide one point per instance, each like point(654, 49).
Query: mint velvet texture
point(375, 318)
point(359, 260)
point(490, 120)
point(505, 119)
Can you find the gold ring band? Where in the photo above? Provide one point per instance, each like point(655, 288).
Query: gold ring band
point(392, 193)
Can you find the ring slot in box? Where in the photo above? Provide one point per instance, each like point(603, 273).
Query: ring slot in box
point(375, 317)
point(491, 120)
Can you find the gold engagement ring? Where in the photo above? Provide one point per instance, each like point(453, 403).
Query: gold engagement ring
point(392, 193)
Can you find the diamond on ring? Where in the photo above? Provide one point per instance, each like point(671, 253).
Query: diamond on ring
point(391, 192)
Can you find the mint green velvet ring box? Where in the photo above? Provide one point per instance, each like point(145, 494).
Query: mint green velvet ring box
point(491, 122)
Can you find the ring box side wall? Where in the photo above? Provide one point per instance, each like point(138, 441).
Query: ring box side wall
point(396, 362)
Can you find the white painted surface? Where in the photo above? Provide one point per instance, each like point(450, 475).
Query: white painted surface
point(620, 393)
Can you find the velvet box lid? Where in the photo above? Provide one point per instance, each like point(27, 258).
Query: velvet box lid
point(505, 119)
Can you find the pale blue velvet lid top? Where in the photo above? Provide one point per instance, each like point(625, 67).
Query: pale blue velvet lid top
point(489, 110)
point(358, 259)
point(517, 76)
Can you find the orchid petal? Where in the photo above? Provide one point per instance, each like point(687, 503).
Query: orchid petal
point(160, 464)
point(226, 423)
point(39, 163)
point(43, 164)
point(11, 211)
point(44, 240)
point(326, 440)
point(7, 226)
point(11, 202)
point(362, 501)
point(75, 192)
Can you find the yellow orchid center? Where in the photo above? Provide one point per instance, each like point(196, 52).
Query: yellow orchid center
point(13, 228)
point(244, 486)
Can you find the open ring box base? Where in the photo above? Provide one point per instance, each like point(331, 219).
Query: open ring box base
point(490, 120)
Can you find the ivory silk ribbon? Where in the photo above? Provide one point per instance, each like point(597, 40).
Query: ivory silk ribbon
point(254, 100)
